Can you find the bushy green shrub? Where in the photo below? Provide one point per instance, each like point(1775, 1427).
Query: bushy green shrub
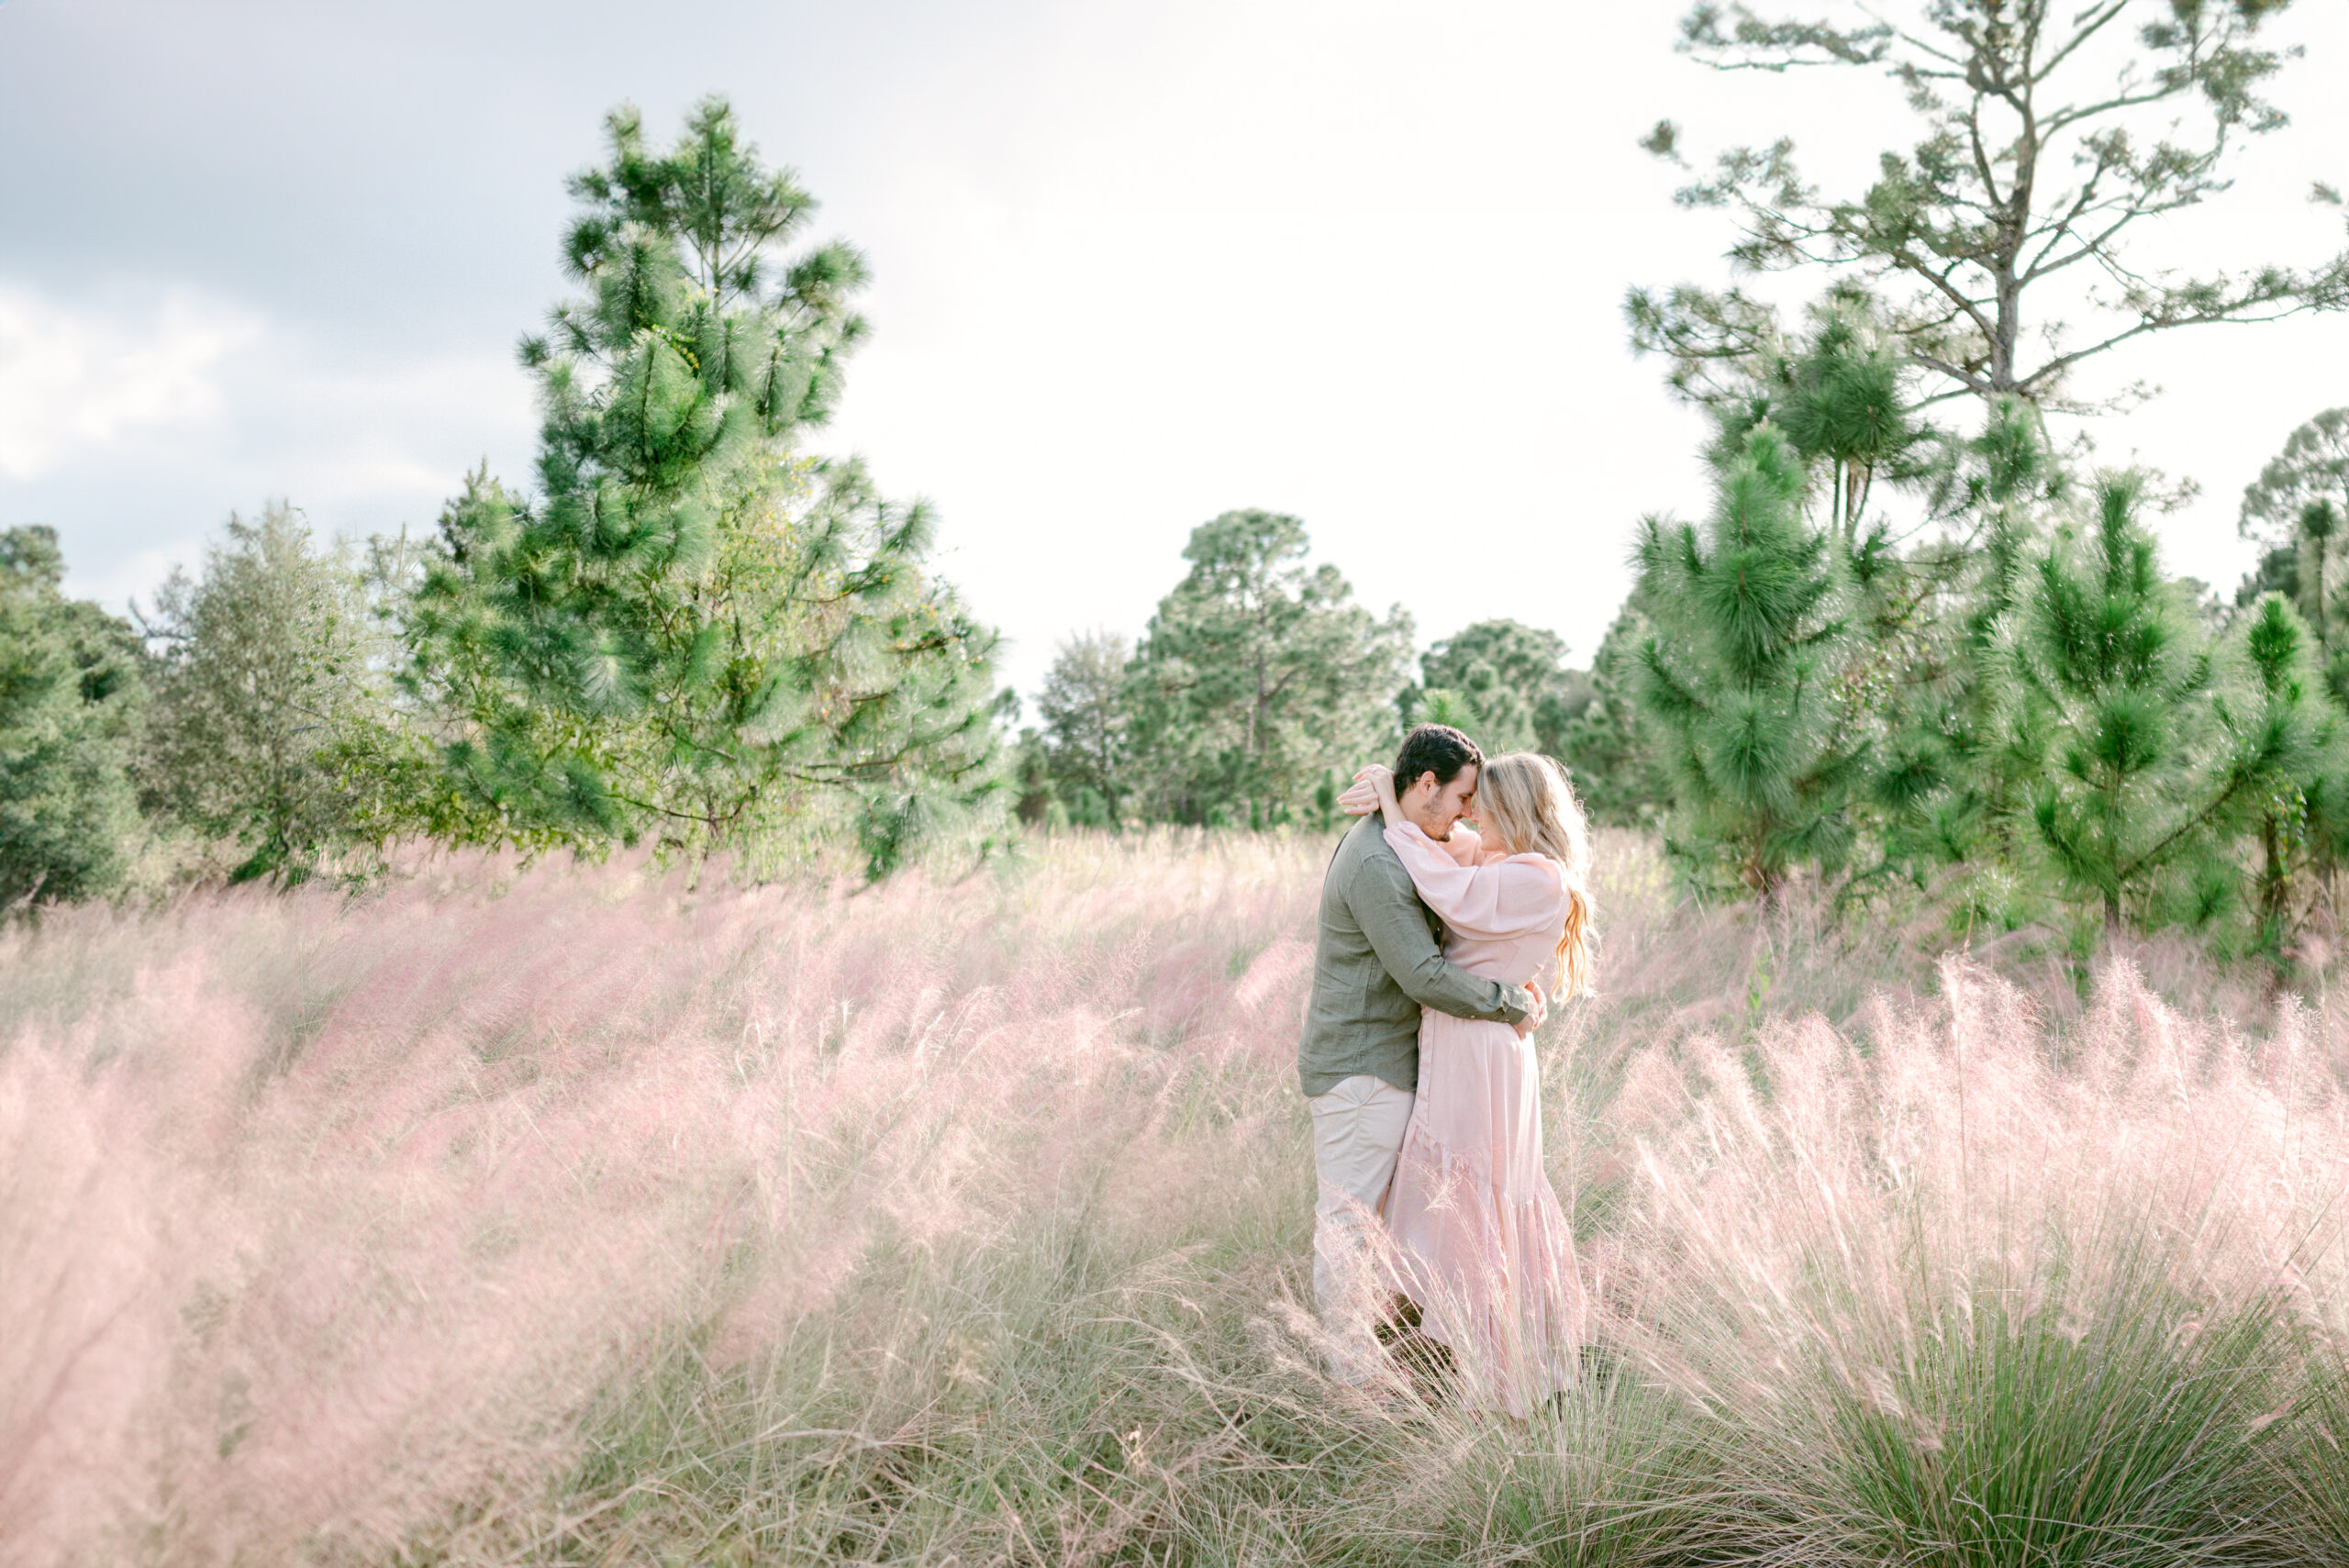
point(71, 699)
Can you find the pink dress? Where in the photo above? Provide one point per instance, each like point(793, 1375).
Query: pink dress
point(1482, 1245)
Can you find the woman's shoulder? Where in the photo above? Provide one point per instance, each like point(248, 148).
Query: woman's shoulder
point(1549, 869)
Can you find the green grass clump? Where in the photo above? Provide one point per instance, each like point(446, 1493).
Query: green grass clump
point(2131, 1429)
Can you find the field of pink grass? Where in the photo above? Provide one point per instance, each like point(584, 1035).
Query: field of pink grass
point(576, 1216)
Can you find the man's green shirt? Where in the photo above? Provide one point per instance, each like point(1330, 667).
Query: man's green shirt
point(1377, 960)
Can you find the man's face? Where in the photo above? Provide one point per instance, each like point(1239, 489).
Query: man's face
point(1436, 807)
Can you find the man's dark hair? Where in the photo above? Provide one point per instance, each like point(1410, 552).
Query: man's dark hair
point(1435, 748)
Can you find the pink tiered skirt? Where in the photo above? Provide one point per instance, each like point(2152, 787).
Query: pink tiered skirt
point(1480, 1244)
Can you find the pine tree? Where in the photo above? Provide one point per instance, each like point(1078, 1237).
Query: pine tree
point(1255, 675)
point(1847, 407)
point(1448, 706)
point(1844, 394)
point(1952, 275)
point(1739, 676)
point(1844, 397)
point(2111, 682)
point(693, 632)
point(1033, 799)
point(2299, 507)
point(2024, 172)
point(2319, 525)
point(2280, 754)
point(1952, 782)
point(71, 704)
point(2313, 466)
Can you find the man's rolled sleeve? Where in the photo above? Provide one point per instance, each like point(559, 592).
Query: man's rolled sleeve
point(1389, 914)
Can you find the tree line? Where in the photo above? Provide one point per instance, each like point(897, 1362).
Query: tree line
point(1918, 643)
point(1918, 647)
point(1257, 680)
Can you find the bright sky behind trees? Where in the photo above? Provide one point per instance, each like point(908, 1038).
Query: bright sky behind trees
point(1135, 265)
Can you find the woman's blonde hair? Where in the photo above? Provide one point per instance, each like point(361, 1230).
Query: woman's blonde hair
point(1525, 801)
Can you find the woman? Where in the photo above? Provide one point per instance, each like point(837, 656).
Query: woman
point(1482, 1246)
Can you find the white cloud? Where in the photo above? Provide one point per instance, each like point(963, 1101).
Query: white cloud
point(1134, 265)
point(136, 420)
point(76, 381)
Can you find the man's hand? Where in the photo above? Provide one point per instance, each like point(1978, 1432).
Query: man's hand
point(1532, 1020)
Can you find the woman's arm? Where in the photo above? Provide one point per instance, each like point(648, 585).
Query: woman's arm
point(1379, 896)
point(1377, 782)
point(1512, 898)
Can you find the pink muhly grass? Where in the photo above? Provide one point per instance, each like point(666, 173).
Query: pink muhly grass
point(505, 1215)
point(1952, 1276)
point(323, 1217)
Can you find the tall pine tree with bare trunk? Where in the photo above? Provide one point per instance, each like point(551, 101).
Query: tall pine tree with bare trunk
point(2051, 138)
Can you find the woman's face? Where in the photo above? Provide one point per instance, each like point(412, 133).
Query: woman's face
point(1489, 830)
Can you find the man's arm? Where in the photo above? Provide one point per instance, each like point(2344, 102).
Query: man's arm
point(1388, 913)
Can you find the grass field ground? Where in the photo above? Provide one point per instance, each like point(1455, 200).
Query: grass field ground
point(576, 1217)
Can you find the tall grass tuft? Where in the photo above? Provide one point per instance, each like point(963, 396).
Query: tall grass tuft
point(579, 1217)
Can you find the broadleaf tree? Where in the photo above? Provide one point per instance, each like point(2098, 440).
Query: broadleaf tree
point(1085, 738)
point(1607, 749)
point(1256, 676)
point(71, 698)
point(1518, 692)
point(260, 676)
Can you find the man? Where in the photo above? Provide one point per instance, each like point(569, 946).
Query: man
point(1377, 960)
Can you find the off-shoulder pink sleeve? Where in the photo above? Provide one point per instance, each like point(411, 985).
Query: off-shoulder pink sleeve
point(1514, 898)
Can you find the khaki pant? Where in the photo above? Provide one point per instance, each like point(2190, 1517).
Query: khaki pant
point(1357, 1133)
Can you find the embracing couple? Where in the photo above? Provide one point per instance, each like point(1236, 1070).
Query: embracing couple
point(1439, 953)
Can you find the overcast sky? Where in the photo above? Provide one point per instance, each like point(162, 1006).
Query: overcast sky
point(1135, 264)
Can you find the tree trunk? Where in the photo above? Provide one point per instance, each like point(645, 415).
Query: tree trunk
point(1765, 879)
point(2276, 878)
point(2317, 595)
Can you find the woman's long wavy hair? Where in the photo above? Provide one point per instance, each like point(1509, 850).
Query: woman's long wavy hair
point(1524, 800)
